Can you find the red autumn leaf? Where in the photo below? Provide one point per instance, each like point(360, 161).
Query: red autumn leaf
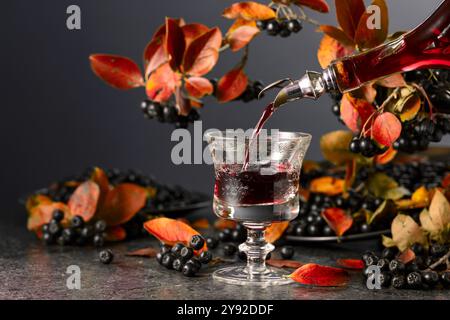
point(368, 36)
point(366, 92)
point(100, 178)
point(275, 231)
point(241, 37)
point(338, 220)
point(337, 34)
point(279, 263)
point(249, 11)
point(119, 72)
point(42, 212)
point(355, 112)
point(162, 83)
point(202, 54)
point(317, 5)
point(322, 276)
point(231, 85)
point(198, 87)
point(355, 264)
point(446, 181)
point(175, 44)
point(350, 173)
point(170, 231)
point(386, 157)
point(386, 129)
point(349, 13)
point(407, 256)
point(192, 31)
point(161, 31)
point(330, 186)
point(393, 81)
point(154, 55)
point(84, 200)
point(115, 233)
point(144, 252)
point(240, 23)
point(122, 203)
point(330, 49)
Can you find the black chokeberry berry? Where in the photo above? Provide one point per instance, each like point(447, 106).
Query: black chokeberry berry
point(87, 232)
point(355, 145)
point(98, 240)
point(287, 252)
point(178, 264)
point(445, 279)
point(205, 257)
point(272, 27)
point(398, 282)
point(313, 230)
point(327, 231)
point(159, 257)
point(48, 238)
point(364, 228)
point(430, 278)
point(294, 25)
point(165, 249)
point(176, 249)
point(336, 109)
point(58, 215)
point(383, 264)
point(211, 242)
point(186, 253)
point(229, 249)
point(100, 226)
point(414, 280)
point(77, 222)
point(106, 256)
point(389, 253)
point(261, 24)
point(54, 228)
point(284, 31)
point(189, 269)
point(438, 250)
point(300, 230)
point(197, 242)
point(396, 266)
point(225, 235)
point(167, 260)
point(367, 147)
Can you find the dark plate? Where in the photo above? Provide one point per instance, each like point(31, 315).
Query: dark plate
point(350, 237)
point(204, 201)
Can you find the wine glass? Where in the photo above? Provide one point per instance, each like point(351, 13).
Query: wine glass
point(256, 183)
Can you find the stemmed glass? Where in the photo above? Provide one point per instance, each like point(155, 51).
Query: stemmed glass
point(256, 183)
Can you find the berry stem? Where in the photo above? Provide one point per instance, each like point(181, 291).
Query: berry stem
point(425, 95)
point(440, 261)
point(303, 16)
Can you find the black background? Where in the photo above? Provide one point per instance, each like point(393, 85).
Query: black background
point(58, 118)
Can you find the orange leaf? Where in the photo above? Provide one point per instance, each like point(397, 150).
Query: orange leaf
point(42, 213)
point(367, 37)
point(231, 85)
point(386, 129)
point(393, 81)
point(154, 55)
point(182, 103)
point(119, 72)
point(446, 181)
point(355, 112)
point(349, 13)
point(122, 203)
point(115, 233)
point(338, 220)
point(192, 31)
point(337, 34)
point(203, 52)
point(84, 200)
point(350, 173)
point(366, 92)
point(317, 5)
point(386, 157)
point(322, 276)
point(355, 264)
point(170, 231)
point(161, 31)
point(242, 36)
point(174, 43)
point(275, 231)
point(411, 108)
point(328, 185)
point(162, 83)
point(407, 256)
point(100, 178)
point(241, 23)
point(198, 87)
point(249, 11)
point(278, 263)
point(330, 49)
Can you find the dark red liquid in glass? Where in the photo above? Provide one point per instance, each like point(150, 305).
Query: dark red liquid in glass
point(427, 46)
point(237, 187)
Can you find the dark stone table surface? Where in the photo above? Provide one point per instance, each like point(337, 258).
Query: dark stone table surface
point(30, 270)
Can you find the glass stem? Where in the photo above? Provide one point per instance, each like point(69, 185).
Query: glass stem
point(256, 249)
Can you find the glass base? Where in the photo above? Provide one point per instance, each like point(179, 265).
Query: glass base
point(240, 276)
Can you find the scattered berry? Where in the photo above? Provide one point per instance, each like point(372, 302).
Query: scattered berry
point(197, 242)
point(106, 256)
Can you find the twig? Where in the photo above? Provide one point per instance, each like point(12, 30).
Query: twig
point(440, 261)
point(425, 95)
point(224, 47)
point(306, 18)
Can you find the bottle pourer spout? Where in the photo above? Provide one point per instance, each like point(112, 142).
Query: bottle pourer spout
point(311, 86)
